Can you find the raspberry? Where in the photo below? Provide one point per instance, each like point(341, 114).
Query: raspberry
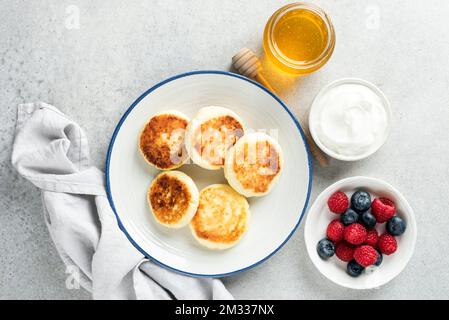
point(355, 234)
point(338, 202)
point(372, 237)
point(335, 230)
point(365, 255)
point(387, 244)
point(383, 209)
point(345, 251)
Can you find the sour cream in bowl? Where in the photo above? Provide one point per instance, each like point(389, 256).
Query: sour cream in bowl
point(350, 119)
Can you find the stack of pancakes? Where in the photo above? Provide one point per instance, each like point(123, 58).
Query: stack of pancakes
point(215, 138)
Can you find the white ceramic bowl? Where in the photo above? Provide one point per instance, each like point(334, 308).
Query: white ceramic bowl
point(334, 269)
point(313, 114)
point(274, 217)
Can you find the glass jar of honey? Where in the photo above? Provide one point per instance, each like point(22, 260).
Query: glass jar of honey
point(299, 38)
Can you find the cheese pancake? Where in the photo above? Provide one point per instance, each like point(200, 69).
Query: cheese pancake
point(210, 134)
point(161, 140)
point(173, 199)
point(254, 164)
point(222, 217)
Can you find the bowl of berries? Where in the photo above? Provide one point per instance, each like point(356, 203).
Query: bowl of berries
point(360, 232)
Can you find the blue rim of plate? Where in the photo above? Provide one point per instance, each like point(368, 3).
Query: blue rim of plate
point(111, 146)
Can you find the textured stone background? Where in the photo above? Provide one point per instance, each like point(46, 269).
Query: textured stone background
point(123, 47)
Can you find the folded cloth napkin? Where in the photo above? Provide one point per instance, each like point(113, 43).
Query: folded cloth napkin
point(51, 151)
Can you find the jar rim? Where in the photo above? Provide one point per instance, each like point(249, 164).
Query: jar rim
point(291, 63)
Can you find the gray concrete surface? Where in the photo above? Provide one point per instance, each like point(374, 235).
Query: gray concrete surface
point(121, 48)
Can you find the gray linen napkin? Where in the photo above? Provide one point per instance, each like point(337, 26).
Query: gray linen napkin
point(51, 151)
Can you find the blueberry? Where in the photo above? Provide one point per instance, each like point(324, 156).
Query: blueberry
point(360, 201)
point(396, 226)
point(354, 269)
point(325, 248)
point(380, 258)
point(368, 219)
point(349, 217)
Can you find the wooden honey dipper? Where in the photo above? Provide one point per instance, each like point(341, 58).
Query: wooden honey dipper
point(248, 64)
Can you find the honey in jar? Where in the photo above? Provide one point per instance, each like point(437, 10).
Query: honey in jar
point(299, 38)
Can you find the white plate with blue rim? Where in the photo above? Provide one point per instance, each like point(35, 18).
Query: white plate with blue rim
point(274, 217)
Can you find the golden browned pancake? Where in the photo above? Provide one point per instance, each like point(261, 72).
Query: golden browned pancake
point(222, 217)
point(254, 164)
point(210, 134)
point(173, 199)
point(161, 141)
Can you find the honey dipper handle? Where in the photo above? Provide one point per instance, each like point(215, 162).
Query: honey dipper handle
point(316, 152)
point(259, 78)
